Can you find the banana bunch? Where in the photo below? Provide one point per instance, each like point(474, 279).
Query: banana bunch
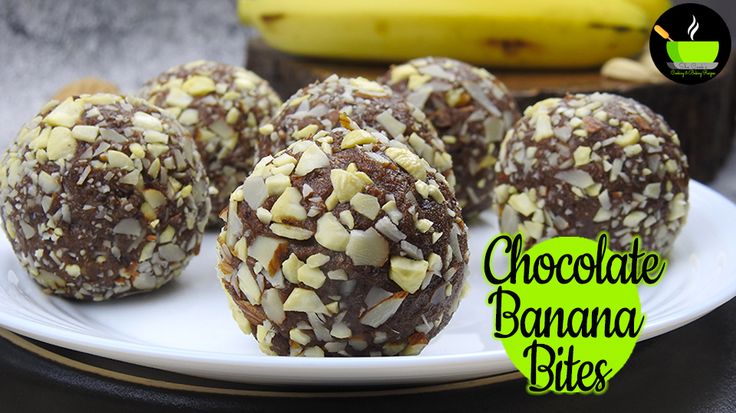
point(517, 33)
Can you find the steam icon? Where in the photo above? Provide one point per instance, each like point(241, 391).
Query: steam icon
point(690, 54)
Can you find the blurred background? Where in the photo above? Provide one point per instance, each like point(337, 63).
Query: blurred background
point(45, 44)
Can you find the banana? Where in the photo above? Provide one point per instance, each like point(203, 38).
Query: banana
point(653, 8)
point(516, 33)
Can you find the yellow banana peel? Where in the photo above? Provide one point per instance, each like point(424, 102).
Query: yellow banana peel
point(653, 8)
point(516, 33)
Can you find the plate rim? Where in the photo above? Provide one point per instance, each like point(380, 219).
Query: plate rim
point(23, 343)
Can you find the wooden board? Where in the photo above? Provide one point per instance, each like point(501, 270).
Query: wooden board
point(704, 115)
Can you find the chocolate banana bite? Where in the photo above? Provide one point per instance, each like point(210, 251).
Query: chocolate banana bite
point(583, 164)
point(369, 105)
point(471, 111)
point(346, 243)
point(221, 106)
point(103, 196)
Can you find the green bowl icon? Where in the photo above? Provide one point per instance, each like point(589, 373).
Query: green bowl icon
point(693, 51)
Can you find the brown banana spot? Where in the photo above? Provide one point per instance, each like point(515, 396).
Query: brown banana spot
point(271, 18)
point(616, 28)
point(509, 46)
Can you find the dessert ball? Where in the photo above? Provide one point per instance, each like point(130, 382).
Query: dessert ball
point(103, 196)
point(583, 164)
point(471, 110)
point(369, 105)
point(221, 106)
point(345, 244)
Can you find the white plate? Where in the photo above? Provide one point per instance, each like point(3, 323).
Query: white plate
point(187, 328)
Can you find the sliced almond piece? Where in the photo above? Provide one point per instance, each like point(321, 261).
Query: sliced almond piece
point(347, 219)
point(290, 268)
point(67, 113)
point(582, 155)
point(408, 273)
point(314, 351)
point(128, 226)
point(288, 206)
point(305, 132)
point(189, 117)
point(117, 159)
point(254, 191)
point(178, 98)
point(291, 231)
point(299, 336)
point(381, 312)
point(345, 184)
point(144, 120)
point(306, 301)
point(154, 197)
point(393, 126)
point(340, 330)
point(367, 248)
point(312, 158)
point(198, 85)
point(634, 218)
point(48, 183)
point(85, 133)
point(366, 205)
point(318, 260)
point(276, 184)
point(678, 207)
point(247, 284)
point(272, 306)
point(338, 274)
point(240, 250)
point(264, 335)
point(576, 177)
point(266, 250)
point(283, 159)
point(522, 204)
point(542, 126)
point(61, 144)
point(238, 316)
point(402, 72)
point(409, 161)
point(331, 234)
point(629, 137)
point(357, 137)
point(312, 277)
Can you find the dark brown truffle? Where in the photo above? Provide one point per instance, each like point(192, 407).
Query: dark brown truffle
point(344, 244)
point(103, 196)
point(222, 106)
point(590, 163)
point(371, 106)
point(471, 110)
